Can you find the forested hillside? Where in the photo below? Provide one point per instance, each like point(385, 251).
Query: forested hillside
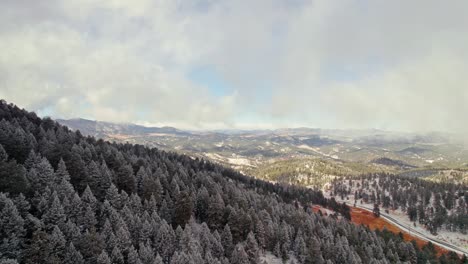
point(66, 198)
point(312, 173)
point(434, 205)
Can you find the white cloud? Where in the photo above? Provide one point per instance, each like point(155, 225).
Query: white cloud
point(287, 61)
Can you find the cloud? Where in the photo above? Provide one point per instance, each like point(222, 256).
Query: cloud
point(427, 94)
point(387, 64)
point(405, 61)
point(99, 63)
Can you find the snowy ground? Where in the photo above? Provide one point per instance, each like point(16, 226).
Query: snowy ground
point(317, 150)
point(239, 161)
point(272, 259)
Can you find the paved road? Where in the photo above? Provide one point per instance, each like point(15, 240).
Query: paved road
point(394, 221)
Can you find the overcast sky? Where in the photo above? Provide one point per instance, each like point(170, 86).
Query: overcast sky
point(397, 65)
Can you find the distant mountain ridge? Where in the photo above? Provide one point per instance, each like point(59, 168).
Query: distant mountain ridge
point(248, 150)
point(101, 128)
point(92, 127)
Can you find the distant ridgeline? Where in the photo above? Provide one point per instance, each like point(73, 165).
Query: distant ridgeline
point(66, 198)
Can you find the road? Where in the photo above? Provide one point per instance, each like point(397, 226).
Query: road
point(434, 241)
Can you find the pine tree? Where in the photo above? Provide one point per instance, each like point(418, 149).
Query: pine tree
point(146, 232)
point(61, 173)
point(55, 215)
point(113, 196)
point(22, 204)
point(125, 179)
point(181, 258)
point(77, 168)
point(260, 234)
point(97, 181)
point(71, 231)
point(146, 253)
point(209, 259)
point(75, 209)
point(315, 252)
point(202, 203)
point(12, 176)
point(40, 250)
point(284, 251)
point(12, 229)
point(157, 260)
point(132, 256)
point(105, 180)
point(215, 212)
point(117, 256)
point(151, 205)
point(165, 241)
point(89, 199)
point(103, 258)
point(45, 175)
point(91, 245)
point(252, 249)
point(140, 176)
point(239, 256)
point(217, 249)
point(226, 241)
point(183, 209)
point(10, 219)
point(32, 160)
point(300, 248)
point(57, 242)
point(241, 224)
point(65, 189)
point(88, 219)
point(412, 253)
point(156, 190)
point(166, 210)
point(123, 238)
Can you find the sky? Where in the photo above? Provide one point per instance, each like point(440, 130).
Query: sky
point(242, 64)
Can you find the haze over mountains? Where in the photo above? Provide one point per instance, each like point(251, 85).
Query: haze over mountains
point(253, 147)
point(100, 128)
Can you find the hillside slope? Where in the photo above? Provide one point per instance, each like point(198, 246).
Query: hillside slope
point(66, 198)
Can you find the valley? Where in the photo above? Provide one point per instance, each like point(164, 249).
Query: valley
point(301, 155)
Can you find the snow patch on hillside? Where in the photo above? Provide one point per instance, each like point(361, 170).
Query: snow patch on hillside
point(239, 161)
point(317, 150)
point(269, 258)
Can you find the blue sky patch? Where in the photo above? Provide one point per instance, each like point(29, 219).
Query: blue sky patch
point(210, 78)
